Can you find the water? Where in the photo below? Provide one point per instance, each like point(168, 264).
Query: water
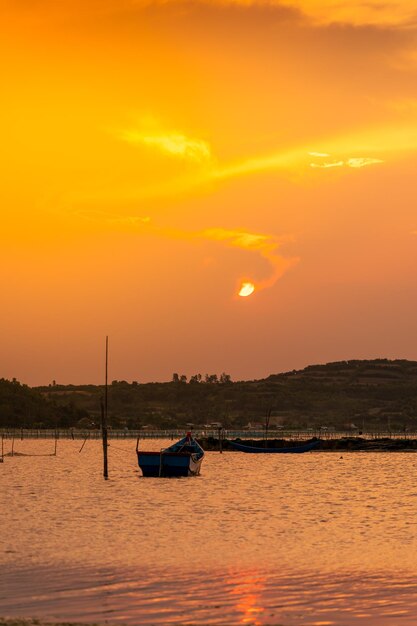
point(315, 539)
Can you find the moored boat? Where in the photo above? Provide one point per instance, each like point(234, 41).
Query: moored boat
point(183, 458)
point(305, 447)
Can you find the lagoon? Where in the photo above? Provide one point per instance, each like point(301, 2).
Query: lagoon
point(315, 539)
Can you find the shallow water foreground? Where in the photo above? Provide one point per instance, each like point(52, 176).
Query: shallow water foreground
point(284, 539)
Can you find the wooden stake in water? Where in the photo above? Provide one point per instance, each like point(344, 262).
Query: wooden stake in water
point(2, 449)
point(84, 442)
point(104, 418)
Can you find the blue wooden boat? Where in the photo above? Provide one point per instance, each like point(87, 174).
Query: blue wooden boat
point(305, 447)
point(183, 458)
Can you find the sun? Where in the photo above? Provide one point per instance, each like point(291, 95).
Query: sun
point(246, 290)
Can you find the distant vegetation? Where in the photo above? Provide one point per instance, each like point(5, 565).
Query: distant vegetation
point(366, 394)
point(23, 407)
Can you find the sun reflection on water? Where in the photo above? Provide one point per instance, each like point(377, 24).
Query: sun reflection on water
point(248, 589)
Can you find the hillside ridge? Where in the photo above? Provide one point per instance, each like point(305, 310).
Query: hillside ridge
point(377, 393)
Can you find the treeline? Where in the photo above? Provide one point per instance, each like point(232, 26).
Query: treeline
point(211, 379)
point(23, 407)
point(347, 394)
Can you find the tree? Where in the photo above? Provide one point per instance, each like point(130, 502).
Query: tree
point(176, 378)
point(211, 378)
point(196, 378)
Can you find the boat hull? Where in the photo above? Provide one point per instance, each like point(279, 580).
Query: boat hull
point(156, 464)
point(306, 447)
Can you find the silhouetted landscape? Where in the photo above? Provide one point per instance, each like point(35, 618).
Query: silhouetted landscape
point(362, 394)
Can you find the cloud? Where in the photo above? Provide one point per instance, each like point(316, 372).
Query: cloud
point(386, 13)
point(356, 12)
point(327, 165)
point(238, 238)
point(173, 143)
point(265, 245)
point(379, 13)
point(383, 143)
point(293, 160)
point(362, 161)
point(355, 162)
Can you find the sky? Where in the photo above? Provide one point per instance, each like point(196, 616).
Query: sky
point(160, 157)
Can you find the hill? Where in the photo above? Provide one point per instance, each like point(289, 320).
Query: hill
point(369, 394)
point(23, 407)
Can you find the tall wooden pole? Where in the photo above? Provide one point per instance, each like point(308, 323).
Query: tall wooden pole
point(105, 388)
point(104, 417)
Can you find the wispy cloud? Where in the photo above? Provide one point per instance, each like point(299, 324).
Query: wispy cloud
point(290, 161)
point(267, 246)
point(385, 13)
point(170, 142)
point(356, 12)
point(388, 13)
point(325, 166)
point(382, 143)
point(362, 161)
point(355, 162)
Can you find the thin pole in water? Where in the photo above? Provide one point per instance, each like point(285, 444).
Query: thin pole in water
point(104, 417)
point(2, 449)
point(84, 442)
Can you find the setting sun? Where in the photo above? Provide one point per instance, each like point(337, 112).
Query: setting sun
point(246, 289)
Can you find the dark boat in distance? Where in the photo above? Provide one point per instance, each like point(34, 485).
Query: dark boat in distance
point(297, 449)
point(183, 458)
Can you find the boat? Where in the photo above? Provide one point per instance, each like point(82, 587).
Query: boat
point(305, 447)
point(183, 458)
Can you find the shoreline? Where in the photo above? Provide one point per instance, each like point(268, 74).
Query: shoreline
point(343, 444)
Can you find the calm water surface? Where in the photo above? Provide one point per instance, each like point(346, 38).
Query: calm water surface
point(290, 539)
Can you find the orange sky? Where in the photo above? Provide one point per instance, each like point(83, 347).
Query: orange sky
point(158, 154)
